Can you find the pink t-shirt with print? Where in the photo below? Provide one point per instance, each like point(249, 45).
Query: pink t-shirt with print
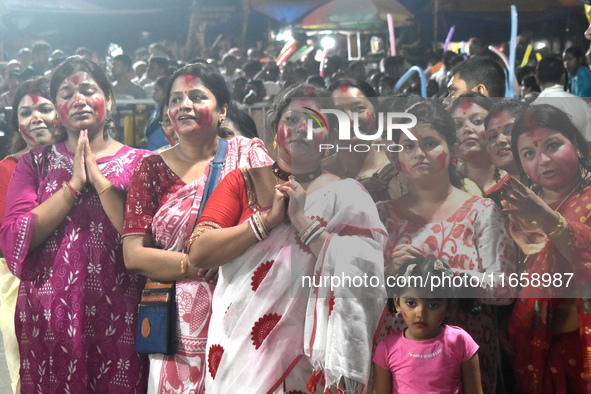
point(431, 366)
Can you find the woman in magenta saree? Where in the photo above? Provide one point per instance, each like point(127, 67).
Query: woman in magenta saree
point(77, 304)
point(550, 327)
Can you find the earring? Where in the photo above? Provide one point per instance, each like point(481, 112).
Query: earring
point(497, 175)
point(222, 121)
point(275, 143)
point(399, 184)
point(326, 152)
point(579, 153)
point(454, 160)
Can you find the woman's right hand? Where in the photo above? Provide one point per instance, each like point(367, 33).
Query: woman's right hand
point(277, 213)
point(79, 179)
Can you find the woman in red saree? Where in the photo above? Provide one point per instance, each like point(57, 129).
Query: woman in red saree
point(550, 327)
point(164, 199)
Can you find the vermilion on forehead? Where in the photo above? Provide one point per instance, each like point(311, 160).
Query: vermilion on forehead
point(304, 103)
point(77, 79)
point(500, 119)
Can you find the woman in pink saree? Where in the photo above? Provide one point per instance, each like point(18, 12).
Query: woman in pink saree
point(162, 205)
point(277, 325)
point(77, 304)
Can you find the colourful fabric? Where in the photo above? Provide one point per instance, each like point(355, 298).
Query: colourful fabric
point(7, 167)
point(160, 204)
point(9, 285)
point(537, 370)
point(441, 356)
point(580, 84)
point(77, 304)
point(270, 332)
point(473, 240)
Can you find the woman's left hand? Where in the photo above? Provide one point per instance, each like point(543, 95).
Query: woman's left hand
point(526, 205)
point(297, 198)
point(93, 172)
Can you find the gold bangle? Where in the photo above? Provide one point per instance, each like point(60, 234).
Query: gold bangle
point(102, 191)
point(184, 265)
point(560, 228)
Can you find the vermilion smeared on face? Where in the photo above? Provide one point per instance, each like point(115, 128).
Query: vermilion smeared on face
point(441, 159)
point(64, 110)
point(344, 87)
point(465, 104)
point(550, 167)
point(99, 108)
point(188, 78)
point(403, 168)
point(204, 117)
point(74, 79)
point(283, 137)
point(34, 98)
point(23, 129)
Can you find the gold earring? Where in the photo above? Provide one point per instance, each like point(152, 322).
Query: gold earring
point(275, 143)
point(326, 152)
point(399, 184)
point(579, 153)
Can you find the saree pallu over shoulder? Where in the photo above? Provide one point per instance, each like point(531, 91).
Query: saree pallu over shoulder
point(529, 326)
point(161, 205)
point(277, 325)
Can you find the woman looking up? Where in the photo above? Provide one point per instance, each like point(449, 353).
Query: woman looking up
point(77, 304)
point(271, 330)
point(164, 199)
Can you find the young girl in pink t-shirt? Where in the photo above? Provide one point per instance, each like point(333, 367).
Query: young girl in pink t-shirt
point(428, 356)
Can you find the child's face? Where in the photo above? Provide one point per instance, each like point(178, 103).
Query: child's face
point(423, 316)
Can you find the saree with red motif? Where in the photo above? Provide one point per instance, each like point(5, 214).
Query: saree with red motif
point(547, 362)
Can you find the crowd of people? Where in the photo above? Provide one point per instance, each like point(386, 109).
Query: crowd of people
point(259, 240)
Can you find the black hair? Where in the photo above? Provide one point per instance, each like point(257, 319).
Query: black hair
point(482, 70)
point(160, 61)
point(420, 273)
point(363, 87)
point(125, 59)
point(209, 76)
point(38, 86)
point(39, 47)
point(577, 52)
point(71, 66)
point(471, 97)
point(242, 121)
point(283, 99)
point(315, 80)
point(529, 81)
point(550, 117)
point(433, 113)
point(252, 67)
point(511, 106)
point(550, 69)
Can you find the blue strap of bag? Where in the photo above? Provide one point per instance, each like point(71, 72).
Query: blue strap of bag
point(213, 179)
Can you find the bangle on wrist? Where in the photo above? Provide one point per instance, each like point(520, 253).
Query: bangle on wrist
point(184, 265)
point(105, 189)
point(258, 227)
point(560, 229)
point(75, 193)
